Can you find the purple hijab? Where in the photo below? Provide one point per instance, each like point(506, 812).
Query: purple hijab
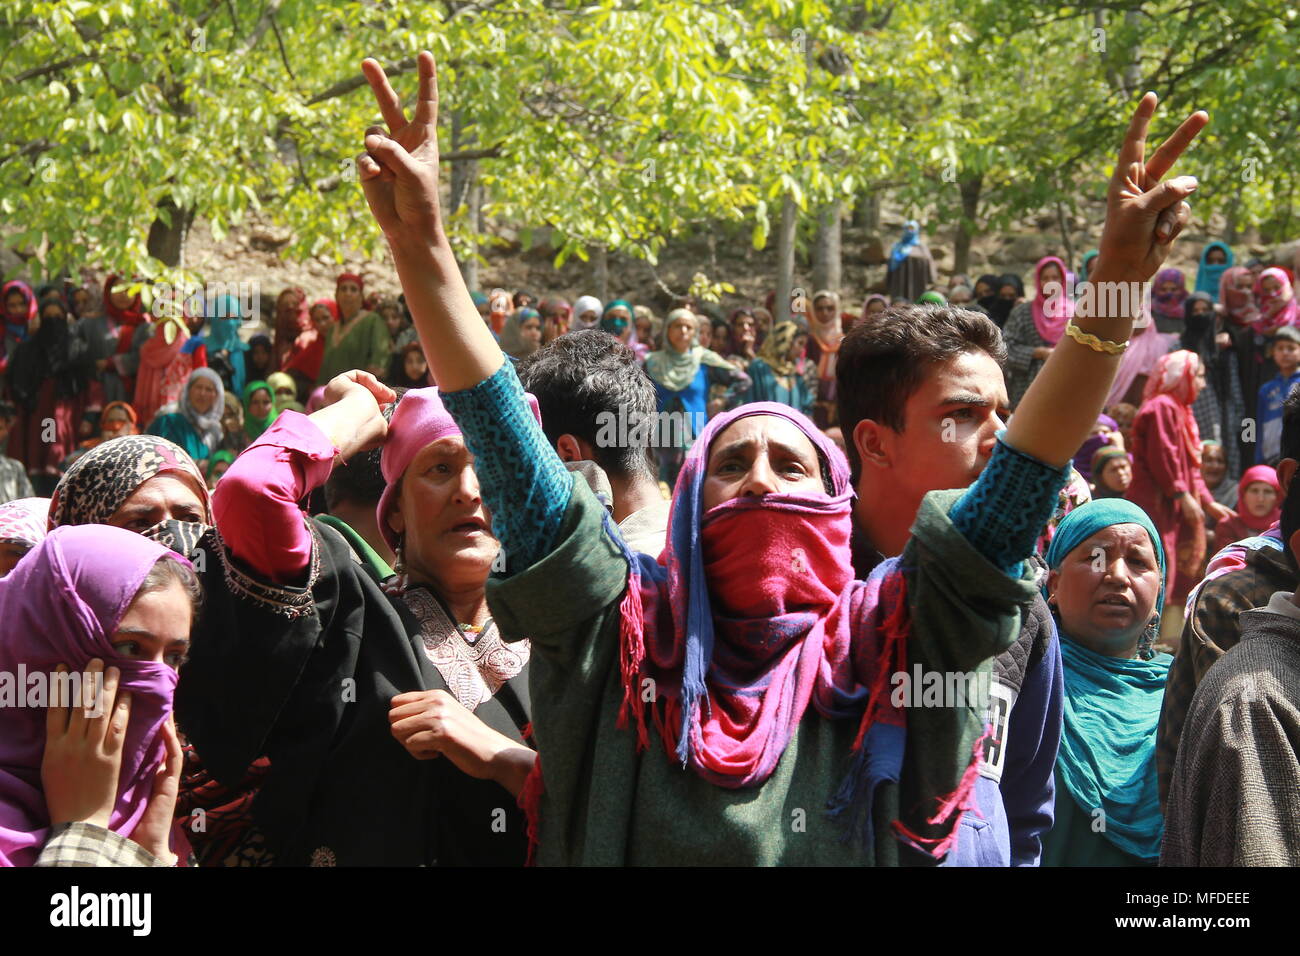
point(62, 604)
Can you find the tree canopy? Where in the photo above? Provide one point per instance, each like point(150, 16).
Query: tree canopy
point(617, 123)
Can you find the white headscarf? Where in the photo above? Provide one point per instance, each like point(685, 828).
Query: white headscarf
point(209, 425)
point(586, 303)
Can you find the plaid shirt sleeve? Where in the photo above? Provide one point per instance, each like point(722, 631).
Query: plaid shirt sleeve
point(85, 844)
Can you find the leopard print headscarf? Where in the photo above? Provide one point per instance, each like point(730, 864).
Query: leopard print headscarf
point(104, 477)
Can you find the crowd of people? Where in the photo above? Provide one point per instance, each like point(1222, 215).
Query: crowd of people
point(302, 564)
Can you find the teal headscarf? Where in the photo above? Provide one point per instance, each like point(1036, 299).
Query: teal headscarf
point(1086, 264)
point(1112, 705)
point(1207, 275)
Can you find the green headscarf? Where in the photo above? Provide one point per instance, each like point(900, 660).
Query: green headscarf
point(932, 298)
point(676, 370)
point(1112, 706)
point(253, 427)
point(216, 458)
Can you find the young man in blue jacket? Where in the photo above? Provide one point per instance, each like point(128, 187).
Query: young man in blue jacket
point(921, 396)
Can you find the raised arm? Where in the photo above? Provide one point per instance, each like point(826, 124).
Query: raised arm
point(399, 172)
point(1143, 217)
point(256, 503)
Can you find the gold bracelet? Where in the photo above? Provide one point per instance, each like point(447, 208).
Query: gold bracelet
point(1094, 343)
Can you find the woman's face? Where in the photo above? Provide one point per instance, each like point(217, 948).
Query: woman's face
point(1261, 498)
point(1245, 281)
point(1008, 293)
point(53, 313)
point(230, 420)
point(1167, 287)
point(259, 404)
point(826, 310)
point(169, 496)
point(113, 422)
point(1270, 285)
point(415, 367)
point(81, 301)
point(760, 455)
point(219, 469)
point(156, 627)
point(742, 332)
point(287, 304)
point(642, 328)
point(10, 554)
point(320, 317)
point(1201, 309)
point(1117, 475)
point(1199, 381)
point(1216, 257)
point(121, 298)
point(530, 330)
point(876, 306)
point(1214, 465)
point(1106, 589)
point(680, 334)
point(446, 528)
point(797, 346)
point(392, 318)
point(348, 296)
point(960, 296)
point(625, 328)
point(1051, 273)
point(705, 333)
point(286, 393)
point(259, 355)
point(589, 317)
point(203, 395)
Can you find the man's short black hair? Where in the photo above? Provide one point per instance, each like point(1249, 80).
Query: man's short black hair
point(884, 359)
point(360, 480)
point(584, 378)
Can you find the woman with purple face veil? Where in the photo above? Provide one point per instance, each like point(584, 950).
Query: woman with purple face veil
point(752, 633)
point(1168, 294)
point(119, 607)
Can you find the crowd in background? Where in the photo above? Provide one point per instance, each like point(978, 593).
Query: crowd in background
point(1182, 463)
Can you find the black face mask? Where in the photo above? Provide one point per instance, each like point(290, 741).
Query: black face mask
point(185, 538)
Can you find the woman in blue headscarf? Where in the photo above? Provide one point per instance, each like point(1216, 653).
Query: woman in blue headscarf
point(1216, 259)
point(225, 349)
point(1106, 591)
point(911, 268)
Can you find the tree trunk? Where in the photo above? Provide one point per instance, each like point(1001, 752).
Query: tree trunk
point(1065, 232)
point(465, 193)
point(1231, 232)
point(1133, 71)
point(970, 204)
point(826, 250)
point(600, 272)
point(785, 259)
point(166, 242)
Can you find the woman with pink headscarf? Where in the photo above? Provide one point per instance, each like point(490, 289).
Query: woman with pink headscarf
point(1275, 300)
point(1033, 328)
point(1167, 481)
